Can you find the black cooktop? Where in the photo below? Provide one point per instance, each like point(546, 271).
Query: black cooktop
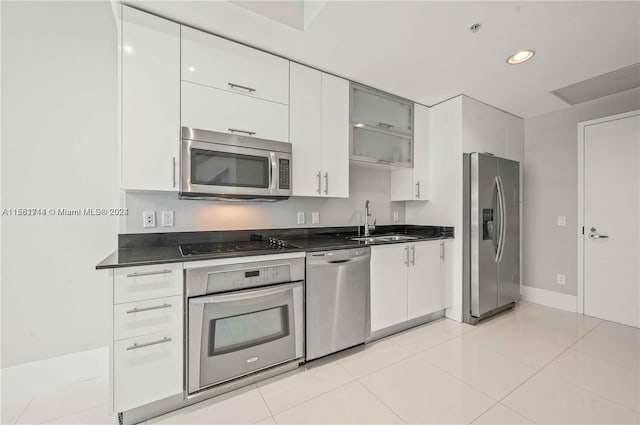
point(189, 250)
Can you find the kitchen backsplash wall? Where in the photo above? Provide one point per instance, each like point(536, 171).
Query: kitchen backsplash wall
point(192, 215)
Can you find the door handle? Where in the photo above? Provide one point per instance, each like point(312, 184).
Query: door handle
point(319, 182)
point(594, 235)
point(442, 251)
point(274, 172)
point(406, 248)
point(141, 309)
point(418, 189)
point(238, 86)
point(135, 346)
point(138, 274)
point(326, 183)
point(236, 130)
point(413, 255)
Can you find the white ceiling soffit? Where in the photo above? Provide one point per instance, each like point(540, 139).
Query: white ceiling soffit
point(298, 14)
point(603, 85)
point(424, 51)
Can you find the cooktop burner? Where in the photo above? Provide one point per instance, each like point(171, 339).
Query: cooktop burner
point(272, 244)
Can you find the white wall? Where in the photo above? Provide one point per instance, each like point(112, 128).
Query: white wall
point(59, 138)
point(365, 183)
point(551, 189)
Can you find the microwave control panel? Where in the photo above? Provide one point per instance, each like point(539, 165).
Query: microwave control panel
point(285, 172)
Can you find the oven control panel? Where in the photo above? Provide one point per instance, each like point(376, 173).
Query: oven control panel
point(247, 278)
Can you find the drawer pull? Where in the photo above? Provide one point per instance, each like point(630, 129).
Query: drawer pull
point(137, 274)
point(235, 130)
point(238, 86)
point(155, 307)
point(146, 344)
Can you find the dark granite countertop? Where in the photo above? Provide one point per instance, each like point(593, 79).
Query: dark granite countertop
point(158, 248)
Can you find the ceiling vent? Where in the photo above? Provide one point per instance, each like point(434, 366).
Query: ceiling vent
point(603, 85)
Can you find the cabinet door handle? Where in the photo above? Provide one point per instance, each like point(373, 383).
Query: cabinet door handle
point(385, 125)
point(135, 346)
point(319, 182)
point(137, 274)
point(326, 183)
point(384, 161)
point(413, 255)
point(238, 86)
point(173, 163)
point(406, 248)
point(418, 189)
point(155, 307)
point(235, 130)
point(442, 251)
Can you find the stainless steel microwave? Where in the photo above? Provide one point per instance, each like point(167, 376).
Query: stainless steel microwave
point(230, 167)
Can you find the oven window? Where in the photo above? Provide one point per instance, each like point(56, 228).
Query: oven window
point(229, 169)
point(228, 334)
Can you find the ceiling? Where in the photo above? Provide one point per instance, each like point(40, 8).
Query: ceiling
point(424, 51)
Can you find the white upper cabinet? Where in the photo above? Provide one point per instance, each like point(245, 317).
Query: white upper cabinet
point(150, 101)
point(319, 133)
point(413, 184)
point(212, 109)
point(226, 65)
point(483, 128)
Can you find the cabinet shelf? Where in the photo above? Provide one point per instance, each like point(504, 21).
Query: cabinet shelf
point(381, 128)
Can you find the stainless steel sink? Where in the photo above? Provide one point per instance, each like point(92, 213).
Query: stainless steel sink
point(384, 238)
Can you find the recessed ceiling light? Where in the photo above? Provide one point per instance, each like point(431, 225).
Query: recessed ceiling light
point(520, 56)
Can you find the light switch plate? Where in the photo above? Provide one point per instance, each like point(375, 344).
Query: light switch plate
point(561, 279)
point(300, 217)
point(315, 217)
point(167, 218)
point(562, 220)
point(148, 219)
point(395, 216)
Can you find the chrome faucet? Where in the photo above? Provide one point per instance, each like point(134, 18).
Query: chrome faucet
point(367, 214)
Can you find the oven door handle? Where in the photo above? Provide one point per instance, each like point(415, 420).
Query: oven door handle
point(244, 295)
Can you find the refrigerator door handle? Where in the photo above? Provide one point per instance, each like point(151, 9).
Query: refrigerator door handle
point(503, 219)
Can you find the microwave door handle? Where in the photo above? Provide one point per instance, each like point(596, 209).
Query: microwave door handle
point(274, 172)
point(224, 298)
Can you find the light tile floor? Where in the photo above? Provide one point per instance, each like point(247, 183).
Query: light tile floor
point(531, 365)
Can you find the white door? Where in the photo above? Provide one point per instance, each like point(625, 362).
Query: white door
point(612, 220)
point(426, 290)
point(388, 285)
point(335, 136)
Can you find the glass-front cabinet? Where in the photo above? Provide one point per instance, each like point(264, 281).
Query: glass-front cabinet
point(381, 127)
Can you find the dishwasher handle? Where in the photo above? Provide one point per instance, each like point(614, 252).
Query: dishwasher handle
point(328, 262)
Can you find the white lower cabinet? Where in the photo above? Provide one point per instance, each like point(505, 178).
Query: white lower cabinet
point(407, 281)
point(147, 368)
point(147, 348)
point(388, 285)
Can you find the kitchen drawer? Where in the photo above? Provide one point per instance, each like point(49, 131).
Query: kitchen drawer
point(146, 317)
point(220, 63)
point(147, 282)
point(147, 369)
point(218, 110)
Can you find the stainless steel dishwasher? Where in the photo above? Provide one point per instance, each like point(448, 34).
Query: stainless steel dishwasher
point(337, 300)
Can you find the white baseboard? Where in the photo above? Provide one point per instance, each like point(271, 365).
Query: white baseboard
point(30, 378)
point(549, 298)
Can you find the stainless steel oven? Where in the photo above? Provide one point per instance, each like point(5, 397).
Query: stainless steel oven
point(228, 166)
point(243, 318)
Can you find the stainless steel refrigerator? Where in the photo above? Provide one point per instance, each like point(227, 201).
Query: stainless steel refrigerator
point(491, 235)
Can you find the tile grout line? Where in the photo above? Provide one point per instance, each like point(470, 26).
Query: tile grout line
point(537, 372)
point(381, 402)
point(25, 409)
point(314, 397)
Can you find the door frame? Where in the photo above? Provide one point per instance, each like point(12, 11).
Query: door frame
point(581, 138)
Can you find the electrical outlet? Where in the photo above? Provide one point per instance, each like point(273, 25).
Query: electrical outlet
point(315, 217)
point(148, 219)
point(561, 279)
point(395, 216)
point(562, 220)
point(167, 218)
point(300, 217)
